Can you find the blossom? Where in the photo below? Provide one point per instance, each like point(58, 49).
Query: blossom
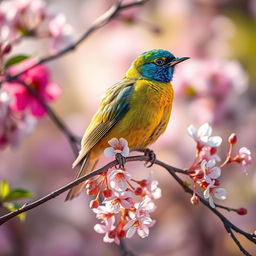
point(106, 228)
point(244, 157)
point(118, 179)
point(119, 200)
point(211, 171)
point(151, 189)
point(141, 221)
point(13, 126)
point(203, 135)
point(212, 191)
point(39, 79)
point(207, 154)
point(117, 146)
point(60, 32)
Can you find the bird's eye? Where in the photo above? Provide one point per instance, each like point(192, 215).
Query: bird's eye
point(159, 62)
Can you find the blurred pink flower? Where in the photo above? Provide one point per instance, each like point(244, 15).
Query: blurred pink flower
point(151, 189)
point(39, 79)
point(212, 84)
point(244, 157)
point(61, 33)
point(117, 146)
point(13, 126)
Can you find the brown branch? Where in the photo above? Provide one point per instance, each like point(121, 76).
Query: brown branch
point(97, 24)
point(229, 226)
point(73, 140)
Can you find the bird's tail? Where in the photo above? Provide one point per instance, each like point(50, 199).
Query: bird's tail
point(88, 164)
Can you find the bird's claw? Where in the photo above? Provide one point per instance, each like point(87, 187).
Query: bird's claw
point(121, 160)
point(152, 157)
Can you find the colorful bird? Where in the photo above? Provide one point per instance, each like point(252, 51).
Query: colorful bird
point(137, 108)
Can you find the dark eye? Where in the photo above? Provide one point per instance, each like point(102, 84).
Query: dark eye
point(159, 62)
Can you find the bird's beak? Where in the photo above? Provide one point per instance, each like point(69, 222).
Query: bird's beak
point(177, 60)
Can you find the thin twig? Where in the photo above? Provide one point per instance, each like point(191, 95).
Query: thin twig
point(98, 23)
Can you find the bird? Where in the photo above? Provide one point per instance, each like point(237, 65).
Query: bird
point(137, 108)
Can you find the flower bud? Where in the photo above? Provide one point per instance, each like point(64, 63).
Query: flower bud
point(241, 211)
point(92, 192)
point(143, 183)
point(232, 138)
point(6, 48)
point(138, 191)
point(94, 203)
point(107, 193)
point(194, 200)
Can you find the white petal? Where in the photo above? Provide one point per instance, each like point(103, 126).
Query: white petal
point(191, 130)
point(214, 141)
point(123, 142)
point(109, 152)
point(130, 232)
point(128, 224)
point(206, 193)
point(113, 142)
point(220, 193)
point(143, 231)
point(100, 228)
point(211, 202)
point(125, 151)
point(210, 163)
point(204, 130)
point(215, 173)
point(106, 239)
point(203, 164)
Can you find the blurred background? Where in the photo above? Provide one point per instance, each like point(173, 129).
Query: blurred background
point(217, 85)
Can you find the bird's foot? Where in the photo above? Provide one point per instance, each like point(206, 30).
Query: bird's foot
point(152, 157)
point(121, 160)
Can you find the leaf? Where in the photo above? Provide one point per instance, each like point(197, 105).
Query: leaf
point(18, 193)
point(15, 60)
point(4, 189)
point(11, 207)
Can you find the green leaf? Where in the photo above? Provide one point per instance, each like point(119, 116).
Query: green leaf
point(4, 189)
point(11, 207)
point(18, 193)
point(15, 60)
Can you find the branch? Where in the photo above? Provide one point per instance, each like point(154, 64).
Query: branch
point(97, 24)
point(73, 140)
point(229, 226)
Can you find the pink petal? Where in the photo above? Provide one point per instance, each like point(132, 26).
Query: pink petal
point(21, 101)
point(109, 152)
point(37, 109)
point(113, 142)
point(52, 91)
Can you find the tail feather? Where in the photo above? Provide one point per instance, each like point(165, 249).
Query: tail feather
point(87, 166)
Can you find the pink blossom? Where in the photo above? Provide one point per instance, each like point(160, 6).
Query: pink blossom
point(244, 157)
point(203, 135)
point(118, 180)
point(13, 126)
point(39, 79)
point(211, 171)
point(151, 189)
point(206, 154)
point(212, 191)
point(60, 32)
point(141, 221)
point(117, 146)
point(106, 228)
point(118, 201)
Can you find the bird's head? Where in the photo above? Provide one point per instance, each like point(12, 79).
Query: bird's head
point(157, 65)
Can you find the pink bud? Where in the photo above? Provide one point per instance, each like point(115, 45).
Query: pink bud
point(143, 183)
point(94, 203)
point(232, 138)
point(6, 48)
point(92, 192)
point(107, 193)
point(138, 191)
point(241, 211)
point(194, 200)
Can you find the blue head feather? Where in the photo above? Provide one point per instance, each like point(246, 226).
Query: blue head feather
point(150, 70)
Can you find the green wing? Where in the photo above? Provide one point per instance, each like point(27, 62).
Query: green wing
point(113, 107)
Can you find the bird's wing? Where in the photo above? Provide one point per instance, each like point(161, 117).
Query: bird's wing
point(113, 107)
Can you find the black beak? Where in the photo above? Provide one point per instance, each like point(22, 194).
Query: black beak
point(178, 60)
